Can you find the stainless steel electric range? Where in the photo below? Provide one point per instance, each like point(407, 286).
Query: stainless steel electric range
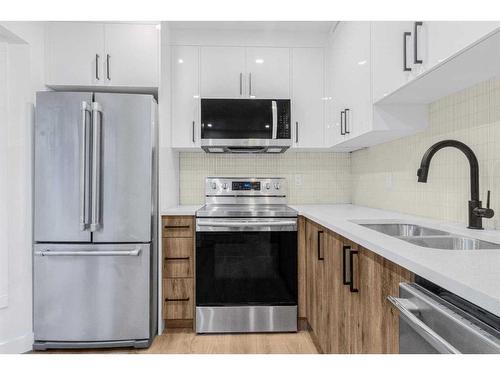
point(246, 257)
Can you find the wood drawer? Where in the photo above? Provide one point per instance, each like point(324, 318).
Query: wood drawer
point(177, 257)
point(177, 226)
point(178, 296)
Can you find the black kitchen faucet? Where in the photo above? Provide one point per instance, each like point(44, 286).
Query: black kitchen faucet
point(476, 212)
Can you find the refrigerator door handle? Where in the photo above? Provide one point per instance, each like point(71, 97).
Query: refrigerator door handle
point(96, 166)
point(84, 169)
point(48, 252)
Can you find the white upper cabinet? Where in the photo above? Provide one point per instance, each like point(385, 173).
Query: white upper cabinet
point(442, 39)
point(268, 72)
point(222, 72)
point(308, 97)
point(239, 72)
point(350, 75)
point(185, 97)
point(131, 55)
point(75, 53)
point(392, 67)
point(97, 54)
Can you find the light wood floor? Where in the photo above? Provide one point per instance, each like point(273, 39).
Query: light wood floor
point(182, 341)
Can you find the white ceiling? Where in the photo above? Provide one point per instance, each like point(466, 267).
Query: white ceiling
point(306, 26)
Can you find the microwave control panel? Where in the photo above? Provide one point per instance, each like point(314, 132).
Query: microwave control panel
point(283, 119)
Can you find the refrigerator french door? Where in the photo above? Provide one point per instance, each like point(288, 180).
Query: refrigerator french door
point(94, 257)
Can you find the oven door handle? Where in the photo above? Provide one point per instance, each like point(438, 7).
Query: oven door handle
point(237, 224)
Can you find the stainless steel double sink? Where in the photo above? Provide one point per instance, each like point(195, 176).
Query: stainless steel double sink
point(431, 238)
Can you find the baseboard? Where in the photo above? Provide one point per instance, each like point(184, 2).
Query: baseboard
point(17, 345)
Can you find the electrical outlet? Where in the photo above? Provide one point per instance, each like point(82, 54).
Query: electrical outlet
point(298, 180)
point(388, 182)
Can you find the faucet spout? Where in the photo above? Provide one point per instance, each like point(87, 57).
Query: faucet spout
point(475, 210)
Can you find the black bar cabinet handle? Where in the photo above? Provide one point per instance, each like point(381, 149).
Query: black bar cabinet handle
point(176, 226)
point(176, 258)
point(176, 299)
point(320, 232)
point(193, 132)
point(296, 132)
point(345, 120)
point(342, 132)
point(351, 268)
point(344, 266)
point(415, 43)
point(406, 34)
point(97, 67)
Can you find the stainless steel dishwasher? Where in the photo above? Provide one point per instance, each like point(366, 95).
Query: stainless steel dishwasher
point(430, 324)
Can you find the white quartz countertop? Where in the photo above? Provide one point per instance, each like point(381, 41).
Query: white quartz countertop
point(472, 274)
point(181, 210)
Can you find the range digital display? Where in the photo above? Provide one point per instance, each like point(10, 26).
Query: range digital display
point(245, 185)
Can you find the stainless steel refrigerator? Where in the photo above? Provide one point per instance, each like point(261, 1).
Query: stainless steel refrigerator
point(95, 264)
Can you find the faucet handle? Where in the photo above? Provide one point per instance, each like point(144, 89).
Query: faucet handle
point(488, 200)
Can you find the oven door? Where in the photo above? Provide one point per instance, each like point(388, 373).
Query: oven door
point(246, 262)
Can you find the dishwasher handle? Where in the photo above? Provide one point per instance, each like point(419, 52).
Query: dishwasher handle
point(440, 344)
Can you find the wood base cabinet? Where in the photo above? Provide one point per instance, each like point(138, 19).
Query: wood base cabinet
point(346, 289)
point(178, 270)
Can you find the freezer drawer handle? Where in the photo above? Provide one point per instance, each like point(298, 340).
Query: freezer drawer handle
point(440, 344)
point(47, 252)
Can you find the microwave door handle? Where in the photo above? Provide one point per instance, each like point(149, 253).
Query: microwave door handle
point(274, 107)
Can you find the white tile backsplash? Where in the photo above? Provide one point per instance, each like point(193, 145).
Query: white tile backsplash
point(385, 176)
point(323, 177)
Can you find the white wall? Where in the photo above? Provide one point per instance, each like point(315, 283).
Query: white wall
point(25, 76)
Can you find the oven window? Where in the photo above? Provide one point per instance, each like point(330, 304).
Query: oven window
point(236, 119)
point(246, 268)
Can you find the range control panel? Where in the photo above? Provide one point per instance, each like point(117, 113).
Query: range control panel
point(241, 186)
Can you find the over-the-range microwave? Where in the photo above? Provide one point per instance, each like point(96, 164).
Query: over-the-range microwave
point(245, 125)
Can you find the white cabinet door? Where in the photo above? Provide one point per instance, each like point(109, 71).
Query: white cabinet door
point(388, 56)
point(185, 97)
point(75, 53)
point(222, 72)
point(268, 72)
point(131, 55)
point(351, 80)
point(445, 38)
point(308, 97)
point(357, 62)
point(336, 81)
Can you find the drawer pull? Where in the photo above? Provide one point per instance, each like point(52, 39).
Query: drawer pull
point(176, 258)
point(177, 226)
point(344, 264)
point(351, 267)
point(176, 299)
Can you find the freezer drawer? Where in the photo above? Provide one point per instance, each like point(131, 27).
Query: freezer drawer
point(91, 292)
